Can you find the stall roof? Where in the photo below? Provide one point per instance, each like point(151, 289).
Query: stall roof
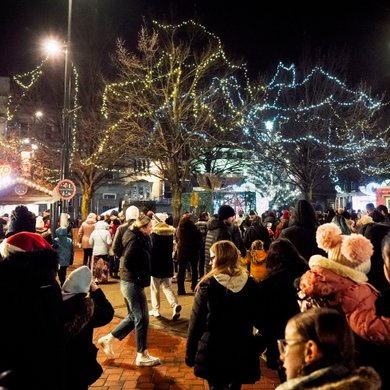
point(34, 194)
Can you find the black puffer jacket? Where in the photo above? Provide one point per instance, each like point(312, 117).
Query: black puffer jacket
point(220, 343)
point(137, 258)
point(162, 239)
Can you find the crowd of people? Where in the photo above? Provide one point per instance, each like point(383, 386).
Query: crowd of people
point(307, 291)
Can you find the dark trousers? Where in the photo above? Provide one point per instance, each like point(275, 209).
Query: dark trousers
point(62, 274)
point(181, 274)
point(87, 257)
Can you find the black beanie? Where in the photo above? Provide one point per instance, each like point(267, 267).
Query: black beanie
point(226, 211)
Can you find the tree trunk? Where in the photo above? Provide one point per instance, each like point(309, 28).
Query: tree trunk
point(87, 193)
point(176, 203)
point(308, 192)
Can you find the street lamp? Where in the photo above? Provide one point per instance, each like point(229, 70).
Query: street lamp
point(66, 123)
point(52, 47)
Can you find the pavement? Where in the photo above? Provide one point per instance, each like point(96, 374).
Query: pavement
point(166, 340)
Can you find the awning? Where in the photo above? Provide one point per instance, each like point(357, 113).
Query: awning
point(24, 191)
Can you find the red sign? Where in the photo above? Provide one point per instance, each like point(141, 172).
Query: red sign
point(66, 189)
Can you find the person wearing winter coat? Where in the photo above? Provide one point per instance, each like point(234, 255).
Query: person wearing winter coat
point(162, 266)
point(135, 276)
point(85, 231)
point(220, 343)
point(21, 220)
point(376, 232)
point(122, 234)
point(82, 314)
point(340, 281)
point(100, 239)
point(257, 232)
point(223, 228)
point(31, 326)
point(318, 353)
point(114, 260)
point(277, 299)
point(64, 247)
point(382, 304)
point(188, 245)
point(302, 230)
point(201, 225)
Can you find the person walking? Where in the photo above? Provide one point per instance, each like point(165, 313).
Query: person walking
point(220, 344)
point(134, 278)
point(100, 239)
point(64, 247)
point(162, 266)
point(122, 234)
point(85, 231)
point(189, 243)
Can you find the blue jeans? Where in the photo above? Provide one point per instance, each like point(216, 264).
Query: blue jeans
point(138, 317)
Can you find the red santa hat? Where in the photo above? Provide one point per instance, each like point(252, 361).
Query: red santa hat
point(23, 242)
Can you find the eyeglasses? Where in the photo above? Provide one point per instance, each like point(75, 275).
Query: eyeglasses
point(284, 344)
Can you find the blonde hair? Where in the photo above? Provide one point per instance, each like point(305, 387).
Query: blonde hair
point(227, 260)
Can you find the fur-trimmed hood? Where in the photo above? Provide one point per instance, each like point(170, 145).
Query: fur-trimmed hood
point(78, 312)
point(163, 229)
point(364, 378)
point(340, 269)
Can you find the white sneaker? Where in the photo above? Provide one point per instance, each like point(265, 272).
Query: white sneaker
point(145, 360)
point(106, 343)
point(154, 313)
point(176, 312)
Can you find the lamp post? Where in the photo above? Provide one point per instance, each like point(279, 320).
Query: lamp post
point(66, 121)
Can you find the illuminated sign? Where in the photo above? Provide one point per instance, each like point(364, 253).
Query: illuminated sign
point(5, 170)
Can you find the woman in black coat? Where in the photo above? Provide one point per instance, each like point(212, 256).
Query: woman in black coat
point(220, 342)
point(302, 230)
point(277, 300)
point(189, 244)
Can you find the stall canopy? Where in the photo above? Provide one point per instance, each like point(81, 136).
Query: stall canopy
point(22, 191)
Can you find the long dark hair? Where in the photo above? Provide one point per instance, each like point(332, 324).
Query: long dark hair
point(332, 334)
point(282, 254)
point(304, 215)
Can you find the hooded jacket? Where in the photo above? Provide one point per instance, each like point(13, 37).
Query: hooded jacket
point(64, 247)
point(162, 248)
point(100, 239)
point(85, 231)
point(326, 279)
point(220, 344)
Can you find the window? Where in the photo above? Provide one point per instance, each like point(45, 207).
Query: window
point(107, 195)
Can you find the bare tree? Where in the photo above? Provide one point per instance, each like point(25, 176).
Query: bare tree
point(176, 99)
point(318, 126)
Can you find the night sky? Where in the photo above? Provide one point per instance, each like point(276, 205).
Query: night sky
point(260, 34)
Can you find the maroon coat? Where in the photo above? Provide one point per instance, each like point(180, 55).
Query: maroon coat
point(189, 241)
